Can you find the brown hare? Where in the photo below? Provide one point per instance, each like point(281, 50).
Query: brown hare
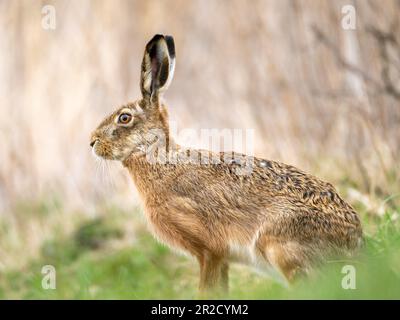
point(275, 216)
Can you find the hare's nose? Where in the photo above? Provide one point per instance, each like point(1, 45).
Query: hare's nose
point(92, 142)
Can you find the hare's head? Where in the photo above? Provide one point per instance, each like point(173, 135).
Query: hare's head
point(133, 127)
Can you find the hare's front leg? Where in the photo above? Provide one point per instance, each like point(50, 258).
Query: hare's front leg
point(213, 272)
point(225, 276)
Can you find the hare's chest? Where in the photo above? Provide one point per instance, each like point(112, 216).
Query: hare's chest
point(162, 227)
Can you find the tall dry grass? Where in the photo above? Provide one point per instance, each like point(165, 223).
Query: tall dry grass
point(318, 96)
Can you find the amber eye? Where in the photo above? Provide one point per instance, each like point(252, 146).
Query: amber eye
point(124, 118)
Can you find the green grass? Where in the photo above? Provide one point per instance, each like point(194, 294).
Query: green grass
point(89, 266)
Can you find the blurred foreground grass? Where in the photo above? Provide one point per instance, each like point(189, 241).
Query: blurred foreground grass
point(95, 262)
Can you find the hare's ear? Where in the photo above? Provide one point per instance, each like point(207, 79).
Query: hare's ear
point(158, 66)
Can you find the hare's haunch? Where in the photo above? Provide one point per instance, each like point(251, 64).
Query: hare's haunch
point(273, 215)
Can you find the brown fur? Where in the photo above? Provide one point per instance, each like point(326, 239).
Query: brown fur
point(282, 216)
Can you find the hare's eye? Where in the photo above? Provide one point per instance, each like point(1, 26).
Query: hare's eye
point(124, 118)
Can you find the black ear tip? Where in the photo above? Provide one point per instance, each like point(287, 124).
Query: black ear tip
point(170, 45)
point(156, 37)
point(169, 41)
point(154, 40)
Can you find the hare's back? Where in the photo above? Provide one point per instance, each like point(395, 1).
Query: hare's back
point(293, 203)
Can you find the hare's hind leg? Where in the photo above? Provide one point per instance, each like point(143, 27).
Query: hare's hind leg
point(288, 256)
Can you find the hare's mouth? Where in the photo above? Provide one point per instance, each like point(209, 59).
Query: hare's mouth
point(95, 150)
point(99, 150)
point(106, 151)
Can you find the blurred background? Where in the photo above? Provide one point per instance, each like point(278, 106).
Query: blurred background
point(318, 96)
